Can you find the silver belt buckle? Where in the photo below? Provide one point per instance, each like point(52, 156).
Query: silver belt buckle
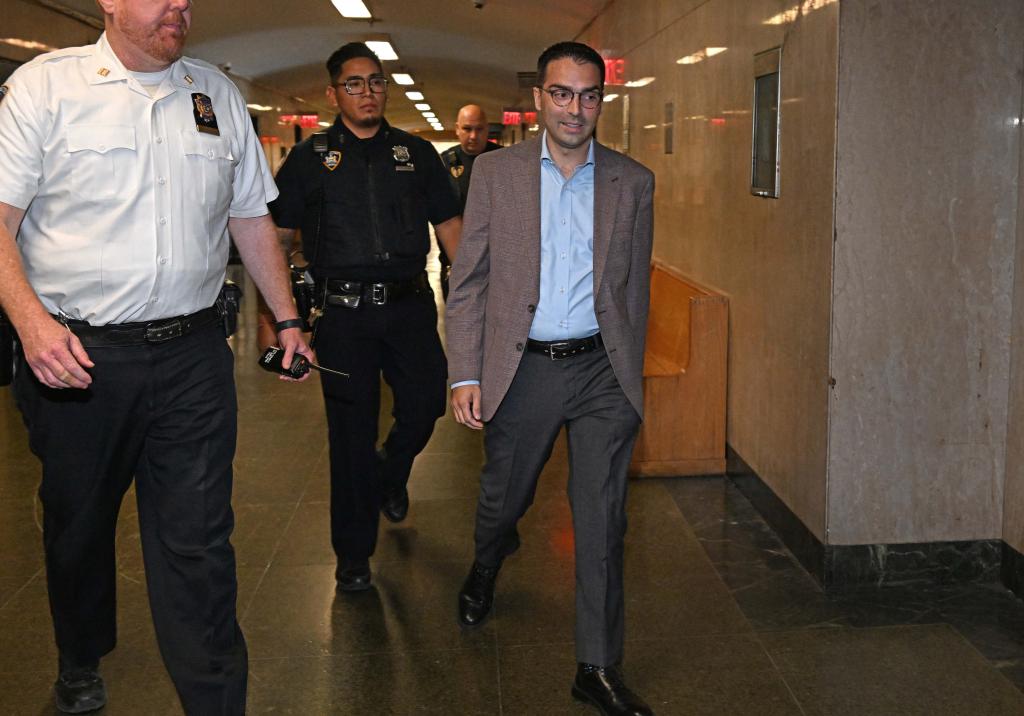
point(561, 345)
point(378, 294)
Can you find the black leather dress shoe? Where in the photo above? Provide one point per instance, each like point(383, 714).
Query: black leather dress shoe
point(80, 690)
point(603, 688)
point(477, 595)
point(396, 505)
point(353, 576)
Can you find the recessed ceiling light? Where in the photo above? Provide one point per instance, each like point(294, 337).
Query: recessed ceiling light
point(324, 124)
point(383, 49)
point(401, 78)
point(414, 96)
point(642, 82)
point(27, 44)
point(610, 97)
point(430, 115)
point(422, 106)
point(259, 107)
point(352, 8)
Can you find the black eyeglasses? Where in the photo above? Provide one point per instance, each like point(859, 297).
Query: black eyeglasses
point(562, 97)
point(357, 85)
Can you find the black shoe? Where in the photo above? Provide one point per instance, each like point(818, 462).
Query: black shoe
point(79, 690)
point(477, 595)
point(603, 688)
point(353, 576)
point(396, 504)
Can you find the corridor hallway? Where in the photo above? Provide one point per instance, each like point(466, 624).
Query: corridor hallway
point(720, 618)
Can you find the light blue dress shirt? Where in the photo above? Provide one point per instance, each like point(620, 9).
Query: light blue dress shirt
point(566, 306)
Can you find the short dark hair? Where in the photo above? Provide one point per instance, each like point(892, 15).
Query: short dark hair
point(576, 51)
point(348, 52)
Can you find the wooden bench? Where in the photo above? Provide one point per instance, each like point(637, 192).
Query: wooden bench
point(683, 432)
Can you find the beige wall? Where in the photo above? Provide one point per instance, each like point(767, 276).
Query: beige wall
point(27, 21)
point(928, 155)
point(1013, 515)
point(772, 258)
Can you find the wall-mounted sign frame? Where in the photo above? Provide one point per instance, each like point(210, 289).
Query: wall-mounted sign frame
point(767, 125)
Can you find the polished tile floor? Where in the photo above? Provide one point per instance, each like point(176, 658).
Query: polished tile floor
point(720, 619)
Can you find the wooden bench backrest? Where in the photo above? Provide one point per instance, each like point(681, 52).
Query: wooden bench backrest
point(668, 324)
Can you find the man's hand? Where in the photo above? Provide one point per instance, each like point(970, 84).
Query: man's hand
point(292, 340)
point(55, 355)
point(466, 406)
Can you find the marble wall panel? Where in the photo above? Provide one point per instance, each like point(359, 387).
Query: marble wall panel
point(1013, 510)
point(926, 200)
point(771, 257)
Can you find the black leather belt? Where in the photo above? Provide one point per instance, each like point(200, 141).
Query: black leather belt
point(351, 293)
point(139, 334)
point(560, 350)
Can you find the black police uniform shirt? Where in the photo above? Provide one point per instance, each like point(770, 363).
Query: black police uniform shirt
point(369, 200)
point(460, 167)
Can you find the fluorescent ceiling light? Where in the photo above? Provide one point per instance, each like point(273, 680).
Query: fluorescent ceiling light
point(642, 82)
point(27, 44)
point(611, 97)
point(324, 124)
point(712, 51)
point(259, 107)
point(422, 106)
point(352, 8)
point(430, 115)
point(383, 50)
point(414, 96)
point(402, 78)
point(650, 126)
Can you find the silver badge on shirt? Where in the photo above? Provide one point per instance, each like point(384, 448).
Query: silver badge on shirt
point(402, 157)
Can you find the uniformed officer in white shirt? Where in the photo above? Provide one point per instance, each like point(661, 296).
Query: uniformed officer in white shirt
point(124, 166)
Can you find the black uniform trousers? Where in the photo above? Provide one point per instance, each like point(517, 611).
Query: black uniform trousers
point(399, 340)
point(582, 394)
point(166, 414)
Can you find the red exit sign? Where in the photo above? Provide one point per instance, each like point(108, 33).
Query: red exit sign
point(306, 121)
point(515, 116)
point(614, 71)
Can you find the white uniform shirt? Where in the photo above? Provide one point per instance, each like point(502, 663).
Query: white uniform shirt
point(127, 202)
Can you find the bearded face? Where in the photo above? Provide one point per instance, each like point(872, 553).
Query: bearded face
point(155, 27)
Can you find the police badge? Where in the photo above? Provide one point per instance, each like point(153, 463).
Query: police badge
point(457, 170)
point(332, 159)
point(4, 89)
point(401, 153)
point(202, 110)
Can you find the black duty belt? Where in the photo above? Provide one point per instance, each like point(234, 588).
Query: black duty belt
point(350, 294)
point(139, 334)
point(560, 350)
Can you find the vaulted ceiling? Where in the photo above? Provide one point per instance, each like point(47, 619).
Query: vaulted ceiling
point(456, 52)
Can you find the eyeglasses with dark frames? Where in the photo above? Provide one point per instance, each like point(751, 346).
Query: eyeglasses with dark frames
point(563, 96)
point(357, 85)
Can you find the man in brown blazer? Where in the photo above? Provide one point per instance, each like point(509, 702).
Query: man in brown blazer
point(546, 322)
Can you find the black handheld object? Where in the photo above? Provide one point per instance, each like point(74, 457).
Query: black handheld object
point(273, 359)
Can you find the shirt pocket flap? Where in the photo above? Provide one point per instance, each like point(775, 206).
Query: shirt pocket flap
point(100, 138)
point(205, 146)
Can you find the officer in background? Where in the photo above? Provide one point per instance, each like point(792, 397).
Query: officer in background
point(124, 167)
point(362, 195)
point(471, 131)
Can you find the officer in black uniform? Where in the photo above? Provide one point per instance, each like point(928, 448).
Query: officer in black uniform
point(362, 195)
point(471, 130)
